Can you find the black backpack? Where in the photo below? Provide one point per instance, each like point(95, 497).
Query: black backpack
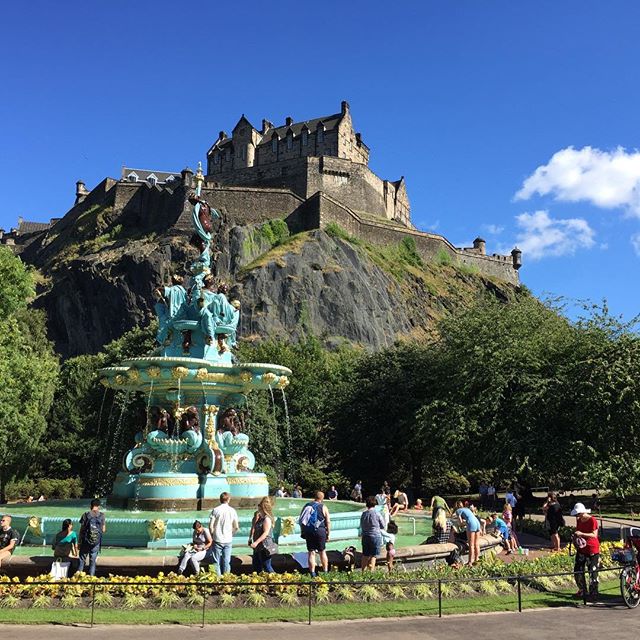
point(92, 531)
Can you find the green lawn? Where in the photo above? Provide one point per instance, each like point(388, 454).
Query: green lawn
point(335, 611)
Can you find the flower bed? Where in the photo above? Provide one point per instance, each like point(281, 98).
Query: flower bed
point(490, 577)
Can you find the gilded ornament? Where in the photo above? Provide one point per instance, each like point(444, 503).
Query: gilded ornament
point(153, 372)
point(211, 409)
point(269, 378)
point(178, 373)
point(105, 381)
point(288, 526)
point(156, 529)
point(245, 480)
point(120, 379)
point(168, 482)
point(36, 526)
point(201, 374)
point(133, 374)
point(246, 377)
point(283, 382)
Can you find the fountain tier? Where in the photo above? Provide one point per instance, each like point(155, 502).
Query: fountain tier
point(191, 448)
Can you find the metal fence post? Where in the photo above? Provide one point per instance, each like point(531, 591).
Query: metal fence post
point(439, 598)
point(93, 602)
point(204, 604)
point(519, 595)
point(310, 592)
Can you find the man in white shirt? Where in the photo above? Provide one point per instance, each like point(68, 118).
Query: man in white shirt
point(223, 523)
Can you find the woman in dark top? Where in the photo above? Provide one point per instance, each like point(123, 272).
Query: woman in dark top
point(555, 520)
point(261, 534)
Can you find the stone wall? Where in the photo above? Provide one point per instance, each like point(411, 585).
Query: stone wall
point(429, 245)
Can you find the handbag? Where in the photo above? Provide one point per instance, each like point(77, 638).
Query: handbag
point(269, 547)
point(60, 570)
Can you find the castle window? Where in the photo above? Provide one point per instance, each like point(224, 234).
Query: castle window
point(243, 153)
point(152, 179)
point(305, 137)
point(216, 158)
point(170, 179)
point(290, 140)
point(320, 134)
point(274, 144)
point(132, 177)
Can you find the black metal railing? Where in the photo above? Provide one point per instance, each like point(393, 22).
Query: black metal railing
point(310, 588)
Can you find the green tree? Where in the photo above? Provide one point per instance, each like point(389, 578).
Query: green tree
point(28, 371)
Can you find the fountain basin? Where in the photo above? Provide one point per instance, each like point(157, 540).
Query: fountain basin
point(39, 523)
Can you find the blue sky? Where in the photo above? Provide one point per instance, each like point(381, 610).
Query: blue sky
point(516, 121)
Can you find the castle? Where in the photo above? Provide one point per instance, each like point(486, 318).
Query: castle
point(309, 173)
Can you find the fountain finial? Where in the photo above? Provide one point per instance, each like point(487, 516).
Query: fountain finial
point(199, 178)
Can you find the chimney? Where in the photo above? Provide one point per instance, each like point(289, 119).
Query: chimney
point(266, 125)
point(289, 121)
point(81, 191)
point(516, 256)
point(344, 107)
point(480, 246)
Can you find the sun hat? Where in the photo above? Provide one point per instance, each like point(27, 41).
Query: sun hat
point(579, 508)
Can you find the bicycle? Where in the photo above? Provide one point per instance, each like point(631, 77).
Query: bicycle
point(630, 573)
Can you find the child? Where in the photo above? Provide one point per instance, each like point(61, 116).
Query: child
point(391, 554)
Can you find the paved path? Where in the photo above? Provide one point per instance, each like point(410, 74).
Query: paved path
point(567, 623)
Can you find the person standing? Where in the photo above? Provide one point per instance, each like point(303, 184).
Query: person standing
point(92, 527)
point(200, 545)
point(261, 536)
point(371, 526)
point(555, 520)
point(482, 491)
point(587, 550)
point(315, 525)
point(491, 496)
point(472, 526)
point(223, 523)
point(8, 538)
point(356, 494)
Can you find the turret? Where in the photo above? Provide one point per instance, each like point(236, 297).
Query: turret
point(187, 177)
point(480, 246)
point(516, 256)
point(81, 191)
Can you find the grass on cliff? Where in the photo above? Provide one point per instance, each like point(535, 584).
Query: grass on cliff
point(289, 244)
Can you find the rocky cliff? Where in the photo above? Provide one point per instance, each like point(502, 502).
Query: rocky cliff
point(99, 271)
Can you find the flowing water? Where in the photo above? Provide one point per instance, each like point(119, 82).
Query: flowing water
point(289, 445)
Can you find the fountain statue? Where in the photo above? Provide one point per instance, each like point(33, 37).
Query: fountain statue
point(192, 446)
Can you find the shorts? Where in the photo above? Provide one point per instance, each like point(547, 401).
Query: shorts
point(317, 540)
point(473, 526)
point(371, 546)
point(553, 529)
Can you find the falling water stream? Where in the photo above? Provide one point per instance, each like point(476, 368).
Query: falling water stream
point(287, 427)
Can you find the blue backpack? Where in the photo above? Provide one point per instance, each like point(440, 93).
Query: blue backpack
point(311, 517)
point(92, 532)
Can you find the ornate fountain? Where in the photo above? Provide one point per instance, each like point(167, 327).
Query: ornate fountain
point(192, 446)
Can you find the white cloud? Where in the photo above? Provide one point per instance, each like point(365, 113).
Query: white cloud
point(541, 236)
point(606, 179)
point(635, 243)
point(493, 229)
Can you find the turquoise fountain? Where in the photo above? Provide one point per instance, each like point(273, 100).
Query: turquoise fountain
point(192, 447)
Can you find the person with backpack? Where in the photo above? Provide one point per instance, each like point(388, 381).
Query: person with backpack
point(92, 527)
point(315, 527)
